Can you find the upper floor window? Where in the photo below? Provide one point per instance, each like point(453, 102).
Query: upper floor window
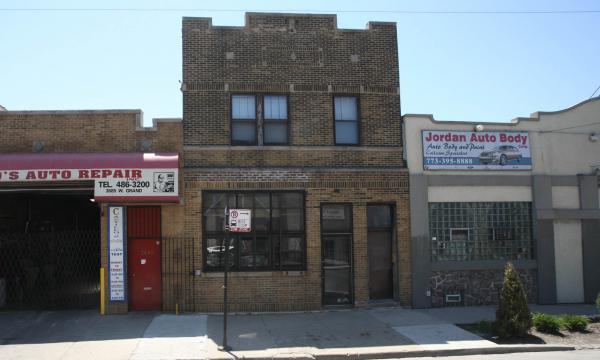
point(246, 109)
point(243, 120)
point(275, 130)
point(346, 120)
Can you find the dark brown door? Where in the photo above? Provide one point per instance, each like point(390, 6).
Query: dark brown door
point(379, 238)
point(143, 254)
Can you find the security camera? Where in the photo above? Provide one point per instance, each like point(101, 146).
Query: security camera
point(593, 137)
point(479, 128)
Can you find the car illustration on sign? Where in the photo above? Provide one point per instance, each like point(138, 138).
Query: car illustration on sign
point(500, 155)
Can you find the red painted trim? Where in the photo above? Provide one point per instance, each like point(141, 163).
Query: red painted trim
point(89, 161)
point(125, 199)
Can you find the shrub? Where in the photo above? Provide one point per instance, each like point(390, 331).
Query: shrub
point(545, 323)
point(598, 302)
point(513, 318)
point(574, 322)
point(484, 327)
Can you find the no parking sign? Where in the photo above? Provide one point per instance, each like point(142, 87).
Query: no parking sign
point(240, 220)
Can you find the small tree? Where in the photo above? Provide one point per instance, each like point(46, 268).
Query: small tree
point(513, 318)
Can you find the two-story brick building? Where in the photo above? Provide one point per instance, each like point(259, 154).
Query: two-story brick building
point(288, 116)
point(299, 121)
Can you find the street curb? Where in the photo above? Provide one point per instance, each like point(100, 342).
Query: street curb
point(398, 354)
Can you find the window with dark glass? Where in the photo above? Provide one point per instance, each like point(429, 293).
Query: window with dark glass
point(336, 243)
point(346, 120)
point(243, 119)
point(275, 125)
point(277, 240)
point(481, 231)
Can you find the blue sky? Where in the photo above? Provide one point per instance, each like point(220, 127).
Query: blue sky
point(479, 67)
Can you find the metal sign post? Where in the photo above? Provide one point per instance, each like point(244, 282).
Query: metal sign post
point(235, 220)
point(225, 347)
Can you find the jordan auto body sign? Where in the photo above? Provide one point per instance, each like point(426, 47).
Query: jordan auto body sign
point(109, 184)
point(468, 150)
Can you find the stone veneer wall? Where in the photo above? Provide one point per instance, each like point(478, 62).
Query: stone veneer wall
point(477, 287)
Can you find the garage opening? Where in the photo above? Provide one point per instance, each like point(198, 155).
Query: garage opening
point(49, 250)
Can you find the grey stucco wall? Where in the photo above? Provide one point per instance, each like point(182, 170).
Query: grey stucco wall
point(421, 255)
point(590, 237)
point(544, 232)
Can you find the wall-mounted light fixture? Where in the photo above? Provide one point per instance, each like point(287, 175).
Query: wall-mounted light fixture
point(479, 128)
point(39, 145)
point(593, 137)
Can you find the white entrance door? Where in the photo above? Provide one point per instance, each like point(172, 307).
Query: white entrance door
point(568, 261)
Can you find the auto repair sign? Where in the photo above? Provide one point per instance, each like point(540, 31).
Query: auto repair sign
point(109, 183)
point(470, 150)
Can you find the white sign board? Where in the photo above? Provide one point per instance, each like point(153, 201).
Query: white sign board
point(148, 184)
point(240, 220)
point(334, 212)
point(110, 183)
point(116, 253)
point(469, 150)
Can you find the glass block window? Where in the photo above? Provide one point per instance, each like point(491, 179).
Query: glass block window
point(481, 231)
point(277, 240)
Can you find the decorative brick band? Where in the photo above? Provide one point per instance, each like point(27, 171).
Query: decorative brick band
point(285, 88)
point(285, 185)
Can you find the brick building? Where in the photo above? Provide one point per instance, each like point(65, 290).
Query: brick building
point(54, 233)
point(288, 116)
point(299, 121)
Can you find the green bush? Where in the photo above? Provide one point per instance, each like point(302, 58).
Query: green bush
point(574, 322)
point(484, 327)
point(513, 318)
point(545, 323)
point(598, 302)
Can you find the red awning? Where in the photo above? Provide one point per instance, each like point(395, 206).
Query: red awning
point(122, 177)
point(88, 160)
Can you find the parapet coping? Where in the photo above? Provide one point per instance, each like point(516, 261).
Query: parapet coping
point(137, 112)
point(369, 25)
point(533, 117)
point(70, 112)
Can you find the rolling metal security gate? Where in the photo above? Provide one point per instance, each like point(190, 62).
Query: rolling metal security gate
point(55, 270)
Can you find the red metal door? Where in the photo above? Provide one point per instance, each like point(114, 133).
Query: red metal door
point(143, 259)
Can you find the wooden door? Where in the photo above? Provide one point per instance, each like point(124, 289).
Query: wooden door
point(379, 246)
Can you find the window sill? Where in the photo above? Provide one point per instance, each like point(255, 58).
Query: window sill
point(243, 274)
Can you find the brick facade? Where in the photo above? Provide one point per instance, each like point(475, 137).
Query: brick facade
point(305, 57)
point(93, 131)
point(309, 59)
point(86, 131)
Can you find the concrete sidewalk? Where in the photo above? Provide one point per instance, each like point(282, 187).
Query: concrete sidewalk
point(364, 333)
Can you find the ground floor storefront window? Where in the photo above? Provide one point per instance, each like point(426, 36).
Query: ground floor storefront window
point(462, 231)
point(277, 240)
